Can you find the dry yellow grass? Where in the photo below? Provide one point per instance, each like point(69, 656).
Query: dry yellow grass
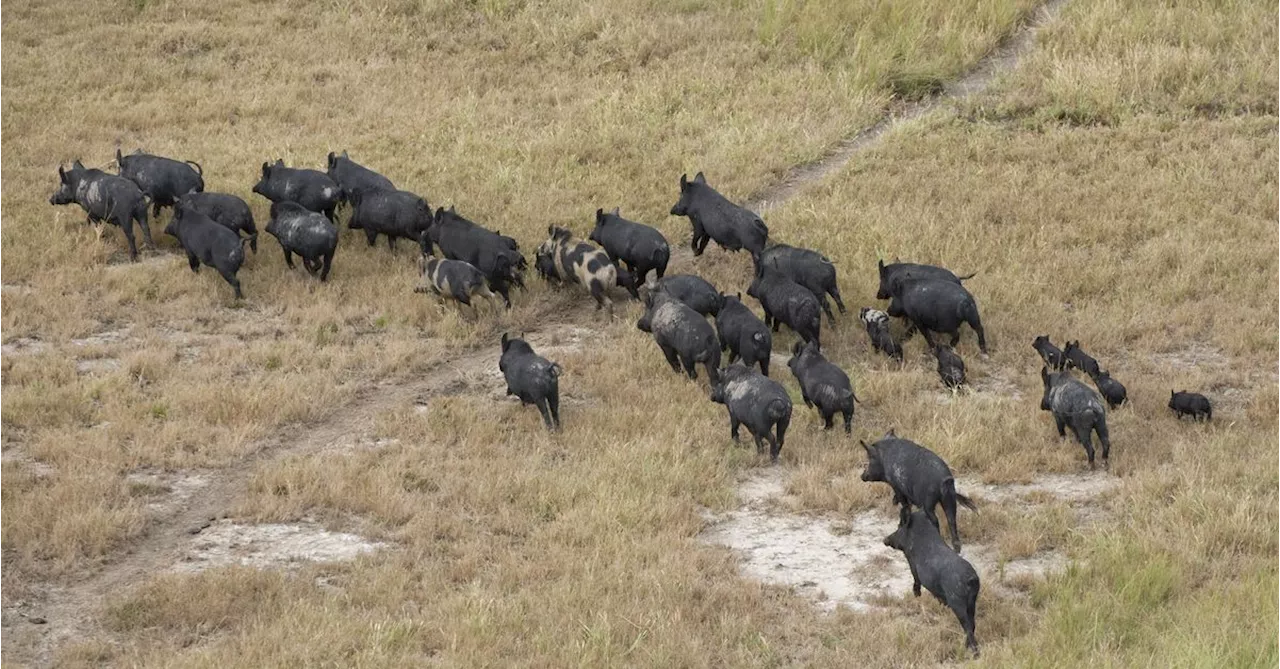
point(1119, 189)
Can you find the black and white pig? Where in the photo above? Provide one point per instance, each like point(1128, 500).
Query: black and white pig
point(581, 263)
point(756, 401)
point(532, 378)
point(162, 180)
point(206, 241)
point(1075, 404)
point(694, 291)
point(822, 384)
point(917, 477)
point(743, 334)
point(714, 217)
point(105, 198)
point(786, 301)
point(398, 214)
point(312, 189)
point(1195, 405)
point(639, 247)
point(305, 232)
point(943, 572)
point(452, 279)
point(353, 178)
point(809, 269)
point(226, 210)
point(877, 324)
point(684, 335)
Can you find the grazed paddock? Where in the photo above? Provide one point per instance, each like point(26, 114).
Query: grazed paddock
point(330, 474)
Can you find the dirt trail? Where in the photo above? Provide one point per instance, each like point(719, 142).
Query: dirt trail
point(71, 610)
point(976, 80)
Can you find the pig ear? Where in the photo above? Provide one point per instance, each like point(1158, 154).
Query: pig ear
point(62, 174)
point(739, 296)
point(880, 264)
point(344, 153)
point(77, 165)
point(893, 432)
point(796, 348)
point(279, 162)
point(266, 169)
point(118, 156)
point(866, 447)
point(599, 214)
point(551, 231)
point(617, 211)
point(910, 519)
point(453, 209)
point(699, 178)
point(504, 341)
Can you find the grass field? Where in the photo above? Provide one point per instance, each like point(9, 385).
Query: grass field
point(1118, 187)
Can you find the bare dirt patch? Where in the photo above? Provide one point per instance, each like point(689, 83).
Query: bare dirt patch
point(270, 546)
point(166, 492)
point(23, 346)
point(843, 561)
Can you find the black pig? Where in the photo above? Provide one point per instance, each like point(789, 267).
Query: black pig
point(756, 401)
point(786, 301)
point(822, 384)
point(950, 366)
point(162, 180)
point(394, 213)
point(931, 305)
point(106, 198)
point(694, 291)
point(305, 232)
point(312, 189)
point(893, 274)
point(353, 178)
point(743, 334)
point(809, 269)
point(1052, 355)
point(1112, 390)
point(226, 210)
point(1195, 405)
point(496, 256)
point(917, 476)
point(684, 335)
point(532, 378)
point(940, 570)
point(639, 247)
point(1074, 404)
point(715, 217)
point(1074, 356)
point(208, 242)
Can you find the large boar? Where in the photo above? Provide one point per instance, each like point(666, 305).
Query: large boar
point(684, 335)
point(162, 180)
point(786, 301)
point(917, 476)
point(312, 189)
point(105, 198)
point(207, 242)
point(714, 217)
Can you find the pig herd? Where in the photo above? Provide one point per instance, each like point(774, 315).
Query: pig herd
point(792, 286)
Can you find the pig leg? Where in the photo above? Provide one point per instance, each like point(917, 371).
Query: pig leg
point(805, 396)
point(949, 509)
point(391, 243)
point(288, 258)
point(1062, 426)
point(915, 579)
point(371, 236)
point(146, 229)
point(235, 283)
point(835, 295)
point(553, 403)
point(760, 442)
point(848, 420)
point(1105, 438)
point(904, 508)
point(826, 308)
point(1083, 434)
point(504, 291)
point(976, 323)
point(328, 262)
point(827, 418)
point(127, 227)
point(673, 357)
point(544, 408)
point(783, 423)
point(764, 366)
point(597, 293)
point(689, 367)
point(967, 621)
point(734, 423)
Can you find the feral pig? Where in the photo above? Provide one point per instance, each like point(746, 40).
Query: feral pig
point(1112, 390)
point(305, 232)
point(1052, 355)
point(714, 217)
point(353, 178)
point(581, 263)
point(107, 198)
point(1195, 405)
point(940, 570)
point(205, 241)
point(226, 210)
point(756, 401)
point(743, 334)
point(694, 291)
point(931, 305)
point(394, 213)
point(950, 366)
point(822, 384)
point(882, 340)
point(494, 255)
point(1074, 356)
point(1074, 404)
point(640, 247)
point(532, 378)
point(685, 337)
point(917, 476)
point(453, 279)
point(809, 269)
point(786, 301)
point(545, 265)
point(162, 180)
point(312, 189)
point(894, 274)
